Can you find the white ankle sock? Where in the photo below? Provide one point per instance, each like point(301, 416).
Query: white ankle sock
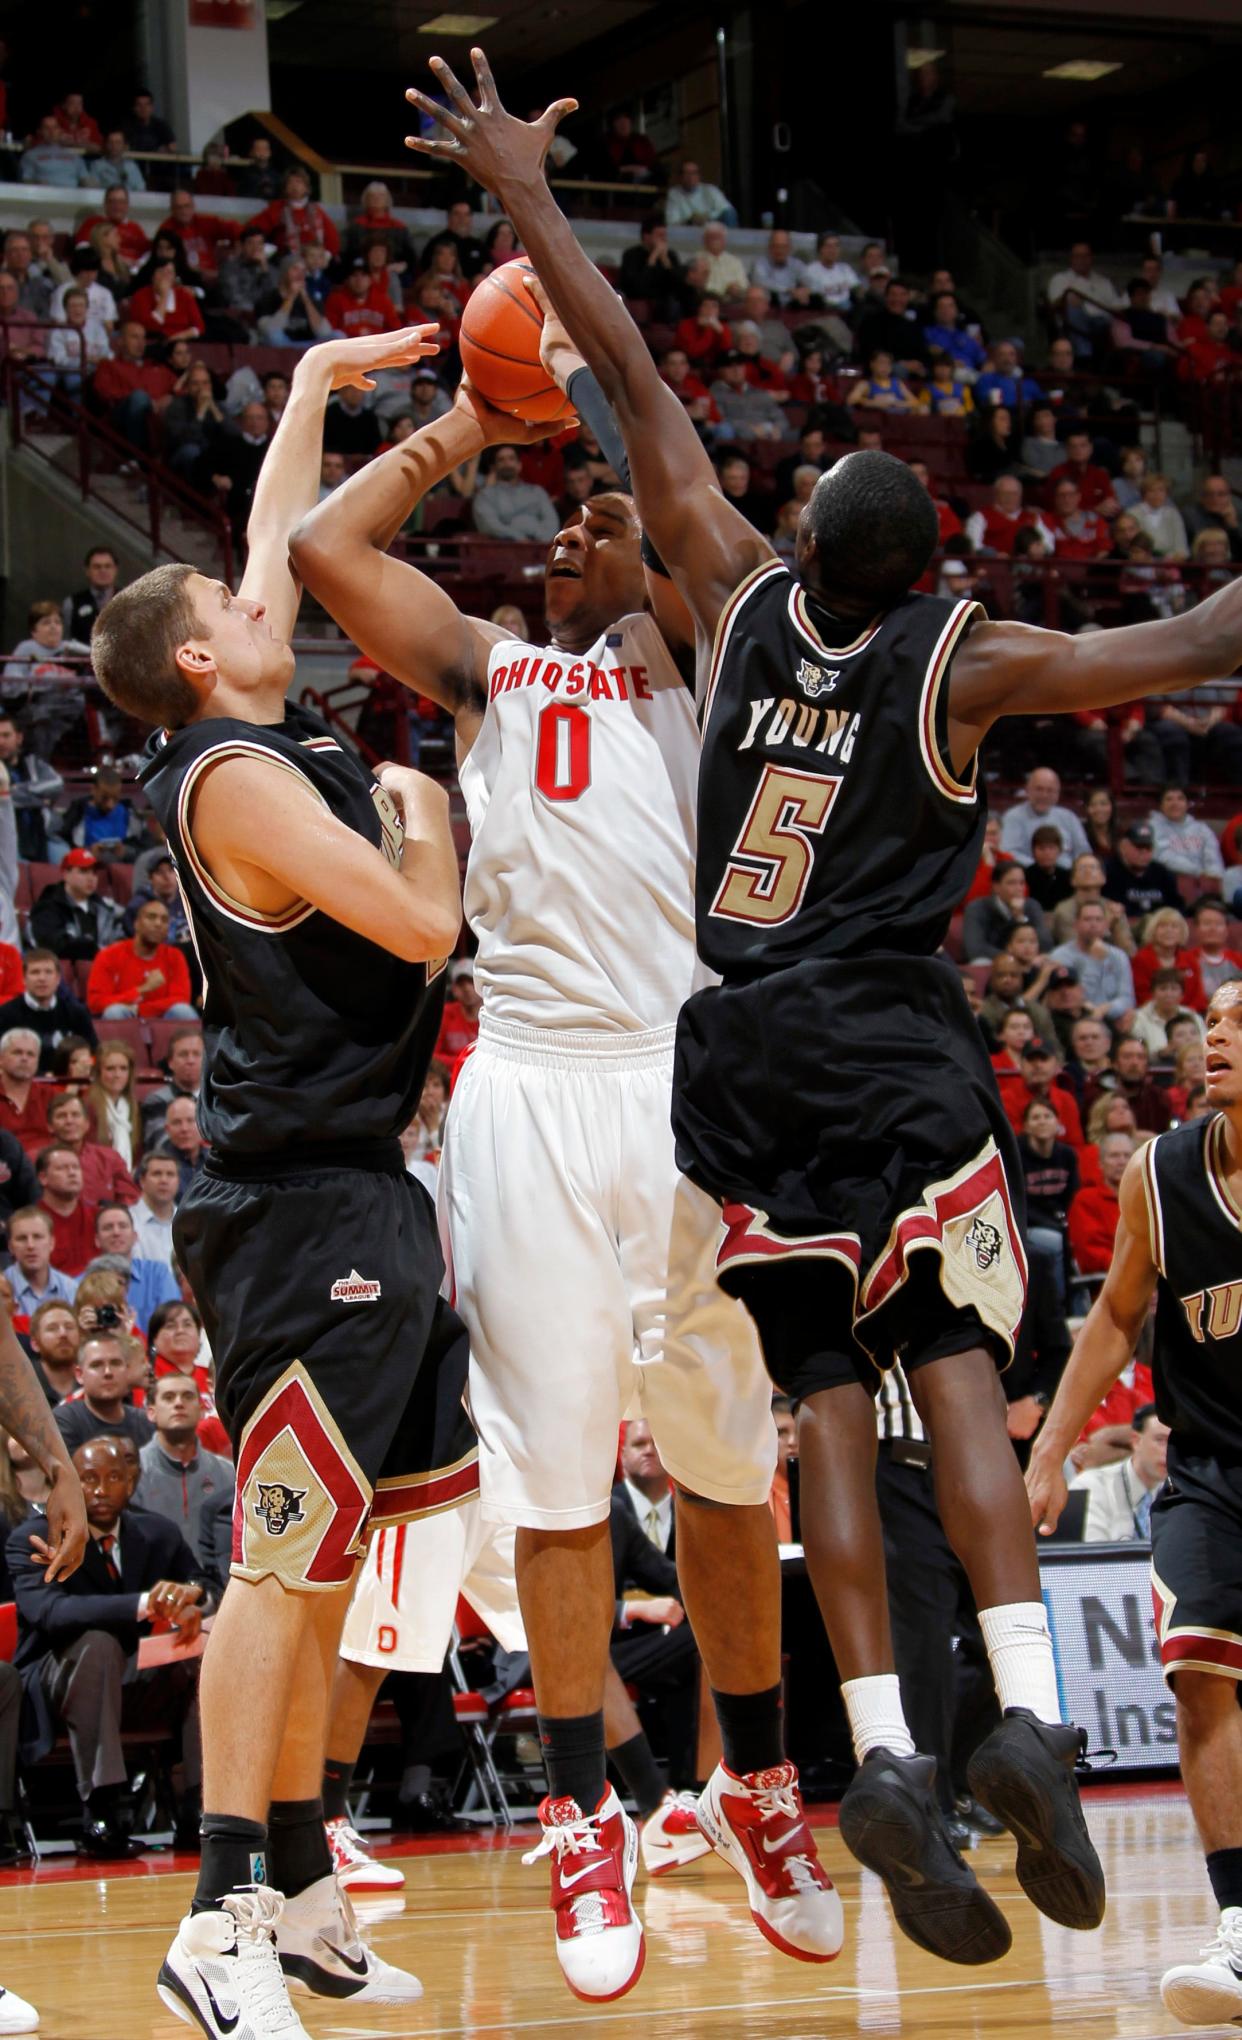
point(876, 1717)
point(1020, 1654)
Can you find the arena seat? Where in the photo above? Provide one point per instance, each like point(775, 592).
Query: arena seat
point(8, 1631)
point(121, 883)
point(132, 1032)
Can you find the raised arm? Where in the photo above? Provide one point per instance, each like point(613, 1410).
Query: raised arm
point(1102, 1349)
point(395, 614)
point(714, 547)
point(289, 477)
point(269, 841)
point(1013, 669)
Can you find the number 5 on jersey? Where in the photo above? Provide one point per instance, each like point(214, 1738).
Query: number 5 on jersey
point(768, 868)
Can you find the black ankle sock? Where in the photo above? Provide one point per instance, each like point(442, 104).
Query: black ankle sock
point(640, 1773)
point(298, 1850)
point(573, 1750)
point(752, 1730)
point(234, 1855)
point(337, 1781)
point(1224, 1868)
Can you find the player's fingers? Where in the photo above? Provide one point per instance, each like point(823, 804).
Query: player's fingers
point(531, 283)
point(424, 146)
point(556, 113)
point(453, 86)
point(489, 98)
point(435, 108)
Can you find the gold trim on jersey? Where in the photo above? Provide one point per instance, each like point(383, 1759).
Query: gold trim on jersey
point(962, 791)
point(725, 622)
point(1216, 1159)
point(298, 910)
point(800, 617)
point(1155, 1210)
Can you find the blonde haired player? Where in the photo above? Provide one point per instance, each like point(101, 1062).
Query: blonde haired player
point(584, 1264)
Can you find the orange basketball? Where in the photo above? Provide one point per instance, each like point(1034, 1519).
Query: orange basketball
point(500, 332)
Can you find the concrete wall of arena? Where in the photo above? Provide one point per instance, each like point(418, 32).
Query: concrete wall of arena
point(45, 529)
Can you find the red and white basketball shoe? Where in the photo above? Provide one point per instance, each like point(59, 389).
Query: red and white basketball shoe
point(757, 1824)
point(599, 1936)
point(355, 1866)
point(671, 1836)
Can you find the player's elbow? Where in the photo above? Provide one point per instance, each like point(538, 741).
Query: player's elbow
point(314, 549)
point(431, 932)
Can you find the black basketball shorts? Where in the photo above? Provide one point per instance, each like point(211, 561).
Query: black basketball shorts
point(844, 1115)
point(340, 1369)
point(1196, 1566)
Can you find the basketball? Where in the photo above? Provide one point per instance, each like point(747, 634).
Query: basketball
point(500, 332)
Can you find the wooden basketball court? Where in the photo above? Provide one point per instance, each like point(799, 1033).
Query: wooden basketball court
point(475, 1926)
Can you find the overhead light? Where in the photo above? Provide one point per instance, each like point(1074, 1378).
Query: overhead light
point(458, 24)
point(1083, 70)
point(915, 59)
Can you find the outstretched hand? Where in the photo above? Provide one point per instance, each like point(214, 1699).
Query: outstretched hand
point(493, 146)
point(353, 364)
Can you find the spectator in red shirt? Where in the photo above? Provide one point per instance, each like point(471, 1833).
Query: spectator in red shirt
point(1094, 484)
point(176, 1340)
point(133, 242)
point(1165, 949)
point(73, 1220)
point(77, 127)
point(627, 154)
point(23, 1103)
point(1041, 1070)
point(1214, 353)
point(1211, 958)
point(704, 336)
point(105, 1178)
point(378, 222)
point(359, 305)
point(213, 180)
point(695, 395)
point(295, 219)
point(1078, 534)
point(145, 975)
point(460, 1026)
point(1094, 1212)
point(200, 234)
point(981, 883)
point(166, 307)
point(995, 528)
point(130, 387)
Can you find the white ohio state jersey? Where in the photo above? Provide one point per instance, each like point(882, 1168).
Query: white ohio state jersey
point(581, 793)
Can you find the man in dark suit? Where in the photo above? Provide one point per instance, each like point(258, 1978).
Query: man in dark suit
point(78, 1643)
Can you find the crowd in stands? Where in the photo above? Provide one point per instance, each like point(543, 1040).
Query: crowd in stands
point(1091, 944)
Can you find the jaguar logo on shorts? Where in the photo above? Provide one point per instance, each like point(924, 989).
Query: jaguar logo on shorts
point(278, 1506)
point(985, 1242)
point(354, 1288)
point(816, 680)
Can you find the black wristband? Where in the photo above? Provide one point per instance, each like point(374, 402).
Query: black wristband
point(651, 558)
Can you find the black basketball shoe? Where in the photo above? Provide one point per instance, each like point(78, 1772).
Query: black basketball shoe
point(891, 1821)
point(1025, 1774)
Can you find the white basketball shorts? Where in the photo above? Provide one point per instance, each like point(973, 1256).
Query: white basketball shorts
point(584, 1265)
point(405, 1601)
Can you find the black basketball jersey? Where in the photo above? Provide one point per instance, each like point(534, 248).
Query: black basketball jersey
point(831, 822)
point(1196, 1243)
point(316, 1039)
